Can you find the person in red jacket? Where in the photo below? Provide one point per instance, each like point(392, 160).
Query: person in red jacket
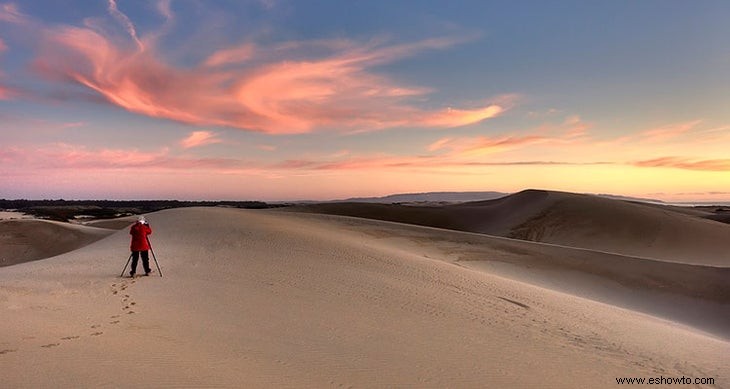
point(140, 244)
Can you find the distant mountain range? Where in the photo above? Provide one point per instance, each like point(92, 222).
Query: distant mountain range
point(458, 197)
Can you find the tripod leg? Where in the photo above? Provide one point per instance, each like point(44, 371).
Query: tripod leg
point(125, 266)
point(156, 263)
point(154, 257)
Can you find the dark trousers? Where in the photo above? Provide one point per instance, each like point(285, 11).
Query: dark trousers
point(145, 261)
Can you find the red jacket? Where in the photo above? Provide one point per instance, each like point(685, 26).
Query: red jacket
point(139, 232)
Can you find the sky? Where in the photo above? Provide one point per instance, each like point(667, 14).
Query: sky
point(313, 99)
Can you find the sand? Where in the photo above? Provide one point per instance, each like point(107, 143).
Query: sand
point(665, 233)
point(265, 298)
point(32, 239)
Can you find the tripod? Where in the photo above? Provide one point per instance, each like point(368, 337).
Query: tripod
point(153, 257)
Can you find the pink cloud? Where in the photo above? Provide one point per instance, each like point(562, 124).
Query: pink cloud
point(10, 12)
point(75, 157)
point(670, 131)
point(5, 92)
point(19, 160)
point(687, 163)
point(231, 55)
point(414, 162)
point(199, 138)
point(266, 147)
point(483, 144)
point(285, 88)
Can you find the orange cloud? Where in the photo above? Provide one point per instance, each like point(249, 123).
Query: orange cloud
point(199, 138)
point(285, 88)
point(460, 117)
point(687, 163)
point(572, 131)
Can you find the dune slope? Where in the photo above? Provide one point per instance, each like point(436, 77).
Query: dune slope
point(584, 221)
point(275, 299)
point(31, 239)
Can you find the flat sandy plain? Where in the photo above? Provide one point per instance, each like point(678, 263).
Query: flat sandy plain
point(282, 298)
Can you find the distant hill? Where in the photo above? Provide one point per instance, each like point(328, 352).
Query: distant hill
point(429, 197)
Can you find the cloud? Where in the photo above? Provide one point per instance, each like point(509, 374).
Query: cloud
point(9, 12)
point(75, 157)
point(288, 87)
point(231, 55)
point(124, 20)
point(670, 131)
point(686, 163)
point(484, 145)
point(199, 138)
point(6, 93)
point(266, 147)
point(14, 159)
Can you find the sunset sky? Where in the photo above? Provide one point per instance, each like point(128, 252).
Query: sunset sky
point(299, 99)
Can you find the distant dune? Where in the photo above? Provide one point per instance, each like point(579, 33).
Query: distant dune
point(584, 221)
point(32, 239)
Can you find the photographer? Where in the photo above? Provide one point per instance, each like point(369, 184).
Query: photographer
point(140, 244)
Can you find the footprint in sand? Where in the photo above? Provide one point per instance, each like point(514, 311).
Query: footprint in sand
point(96, 326)
point(70, 337)
point(49, 345)
point(132, 303)
point(114, 322)
point(130, 312)
point(113, 316)
point(7, 351)
point(96, 333)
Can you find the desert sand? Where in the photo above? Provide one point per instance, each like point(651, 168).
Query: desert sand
point(31, 239)
point(666, 233)
point(271, 298)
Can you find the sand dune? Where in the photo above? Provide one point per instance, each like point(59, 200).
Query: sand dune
point(262, 298)
point(584, 221)
point(32, 239)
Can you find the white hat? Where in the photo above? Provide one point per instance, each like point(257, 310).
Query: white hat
point(141, 219)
